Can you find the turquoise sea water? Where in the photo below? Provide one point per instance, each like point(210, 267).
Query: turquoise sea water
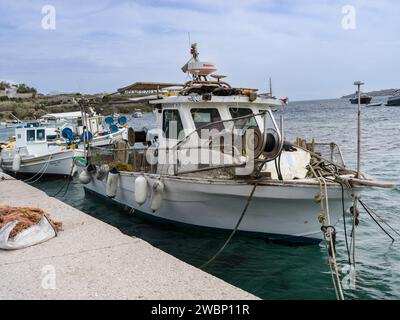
point(277, 271)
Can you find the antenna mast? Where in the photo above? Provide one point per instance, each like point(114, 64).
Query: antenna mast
point(270, 87)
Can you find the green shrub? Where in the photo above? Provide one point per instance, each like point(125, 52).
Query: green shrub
point(23, 88)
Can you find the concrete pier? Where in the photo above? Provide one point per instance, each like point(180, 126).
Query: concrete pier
point(93, 260)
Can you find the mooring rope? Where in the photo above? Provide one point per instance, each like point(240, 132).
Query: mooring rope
point(369, 212)
point(327, 232)
point(44, 168)
point(233, 231)
point(67, 182)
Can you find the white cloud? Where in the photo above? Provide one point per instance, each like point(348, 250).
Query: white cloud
point(106, 44)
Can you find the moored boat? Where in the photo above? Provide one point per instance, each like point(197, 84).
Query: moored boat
point(394, 100)
point(30, 153)
point(219, 159)
point(364, 99)
point(68, 127)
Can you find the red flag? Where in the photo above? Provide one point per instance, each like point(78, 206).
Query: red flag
point(285, 100)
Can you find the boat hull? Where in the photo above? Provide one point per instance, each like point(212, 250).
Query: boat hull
point(281, 211)
point(394, 101)
point(363, 100)
point(102, 141)
point(59, 164)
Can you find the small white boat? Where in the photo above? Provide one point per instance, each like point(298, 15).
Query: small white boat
point(11, 123)
point(137, 114)
point(374, 105)
point(30, 153)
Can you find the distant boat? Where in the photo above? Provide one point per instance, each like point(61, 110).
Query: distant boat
point(11, 123)
point(137, 114)
point(365, 99)
point(68, 127)
point(395, 100)
point(374, 104)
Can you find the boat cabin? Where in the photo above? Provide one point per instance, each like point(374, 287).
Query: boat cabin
point(31, 139)
point(190, 114)
point(201, 132)
point(75, 119)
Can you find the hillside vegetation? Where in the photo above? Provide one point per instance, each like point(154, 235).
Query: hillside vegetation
point(34, 108)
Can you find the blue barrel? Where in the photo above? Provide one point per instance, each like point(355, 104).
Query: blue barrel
point(109, 120)
point(113, 128)
point(87, 135)
point(122, 120)
point(67, 133)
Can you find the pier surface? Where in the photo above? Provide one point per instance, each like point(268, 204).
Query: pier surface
point(93, 260)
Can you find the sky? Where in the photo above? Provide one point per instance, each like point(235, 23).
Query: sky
point(102, 45)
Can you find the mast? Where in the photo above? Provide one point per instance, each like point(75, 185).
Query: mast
point(270, 87)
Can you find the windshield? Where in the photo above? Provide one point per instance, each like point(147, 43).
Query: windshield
point(242, 112)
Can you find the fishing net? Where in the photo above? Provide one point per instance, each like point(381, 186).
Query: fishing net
point(25, 217)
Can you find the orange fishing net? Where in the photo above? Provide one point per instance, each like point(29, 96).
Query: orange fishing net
point(26, 218)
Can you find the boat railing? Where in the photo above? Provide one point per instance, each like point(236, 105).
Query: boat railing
point(128, 158)
point(140, 159)
point(145, 159)
point(330, 151)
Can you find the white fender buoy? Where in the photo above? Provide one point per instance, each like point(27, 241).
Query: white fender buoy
point(112, 183)
point(140, 190)
point(102, 171)
point(16, 164)
point(84, 177)
point(156, 197)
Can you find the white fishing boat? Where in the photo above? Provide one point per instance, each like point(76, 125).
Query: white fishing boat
point(190, 171)
point(10, 123)
point(30, 153)
point(67, 128)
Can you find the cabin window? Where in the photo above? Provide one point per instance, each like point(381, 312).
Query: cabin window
point(40, 135)
point(172, 124)
point(242, 112)
point(202, 117)
point(30, 135)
